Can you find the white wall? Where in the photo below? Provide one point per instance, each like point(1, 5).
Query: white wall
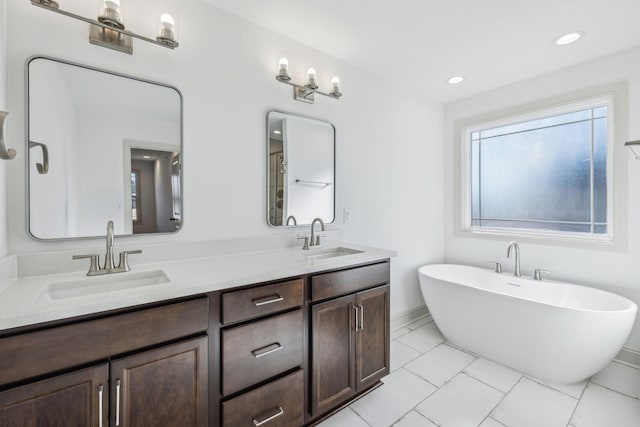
point(616, 271)
point(389, 142)
point(3, 107)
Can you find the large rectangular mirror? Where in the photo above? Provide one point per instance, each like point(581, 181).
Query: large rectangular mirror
point(300, 170)
point(102, 147)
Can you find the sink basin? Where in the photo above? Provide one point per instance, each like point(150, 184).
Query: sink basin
point(332, 253)
point(105, 284)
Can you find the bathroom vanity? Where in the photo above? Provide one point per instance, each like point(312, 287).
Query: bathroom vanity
point(286, 351)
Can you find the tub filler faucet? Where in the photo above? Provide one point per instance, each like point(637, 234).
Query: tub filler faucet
point(514, 245)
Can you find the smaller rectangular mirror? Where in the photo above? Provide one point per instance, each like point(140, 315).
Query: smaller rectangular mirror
point(300, 170)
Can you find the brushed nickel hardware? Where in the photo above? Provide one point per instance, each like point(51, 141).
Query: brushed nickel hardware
point(315, 242)
point(100, 392)
point(108, 30)
point(277, 412)
point(361, 309)
point(292, 218)
point(117, 403)
point(271, 348)
point(109, 265)
point(305, 246)
point(633, 146)
point(537, 273)
point(5, 153)
point(498, 268)
point(43, 167)
point(355, 317)
point(302, 181)
point(270, 299)
point(305, 93)
point(514, 245)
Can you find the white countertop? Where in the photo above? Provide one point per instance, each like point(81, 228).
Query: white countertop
point(26, 301)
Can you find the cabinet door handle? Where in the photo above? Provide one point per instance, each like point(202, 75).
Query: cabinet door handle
point(271, 348)
point(361, 308)
point(270, 299)
point(355, 318)
point(117, 403)
point(100, 391)
point(269, 416)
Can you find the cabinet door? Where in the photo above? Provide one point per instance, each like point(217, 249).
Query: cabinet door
point(162, 387)
point(372, 337)
point(76, 399)
point(333, 353)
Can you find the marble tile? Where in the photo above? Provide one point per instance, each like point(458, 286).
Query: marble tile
point(345, 417)
point(530, 404)
point(397, 333)
point(387, 404)
point(423, 339)
point(463, 401)
point(494, 374)
point(573, 390)
point(490, 422)
point(401, 355)
point(420, 322)
point(619, 377)
point(413, 419)
point(601, 407)
point(440, 364)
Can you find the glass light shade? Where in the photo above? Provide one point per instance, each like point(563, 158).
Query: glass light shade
point(111, 13)
point(167, 30)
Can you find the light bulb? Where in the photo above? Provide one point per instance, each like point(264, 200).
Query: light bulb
point(335, 81)
point(311, 79)
point(167, 21)
point(335, 87)
point(284, 62)
point(311, 73)
point(112, 4)
point(283, 70)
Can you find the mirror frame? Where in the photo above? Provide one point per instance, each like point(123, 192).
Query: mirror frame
point(268, 182)
point(28, 138)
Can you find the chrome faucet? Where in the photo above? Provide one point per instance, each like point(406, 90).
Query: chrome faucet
point(514, 245)
point(316, 241)
point(109, 265)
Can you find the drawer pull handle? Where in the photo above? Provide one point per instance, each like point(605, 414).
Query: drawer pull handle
point(269, 299)
point(117, 403)
point(277, 412)
point(361, 308)
point(271, 348)
point(355, 318)
point(100, 391)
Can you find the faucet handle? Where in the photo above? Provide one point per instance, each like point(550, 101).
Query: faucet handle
point(498, 268)
point(537, 273)
point(124, 259)
point(94, 266)
point(305, 247)
point(318, 236)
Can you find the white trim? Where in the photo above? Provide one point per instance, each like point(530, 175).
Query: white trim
point(629, 357)
point(616, 167)
point(403, 319)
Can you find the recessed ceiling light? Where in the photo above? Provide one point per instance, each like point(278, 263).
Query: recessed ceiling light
point(568, 38)
point(277, 132)
point(455, 80)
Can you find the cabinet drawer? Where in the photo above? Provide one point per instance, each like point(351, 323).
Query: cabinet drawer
point(277, 404)
point(261, 300)
point(345, 282)
point(36, 353)
point(260, 350)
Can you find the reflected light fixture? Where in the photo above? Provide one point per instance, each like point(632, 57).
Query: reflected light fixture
point(277, 132)
point(306, 92)
point(568, 38)
point(108, 30)
point(455, 80)
point(634, 146)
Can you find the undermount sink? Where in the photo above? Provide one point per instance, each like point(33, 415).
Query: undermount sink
point(104, 284)
point(332, 253)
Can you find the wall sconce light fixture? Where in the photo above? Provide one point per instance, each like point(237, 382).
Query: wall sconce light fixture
point(109, 30)
point(634, 146)
point(305, 93)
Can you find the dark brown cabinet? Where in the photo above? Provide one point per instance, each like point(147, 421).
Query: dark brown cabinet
point(77, 399)
point(350, 346)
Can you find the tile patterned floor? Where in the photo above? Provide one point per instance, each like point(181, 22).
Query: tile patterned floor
point(433, 383)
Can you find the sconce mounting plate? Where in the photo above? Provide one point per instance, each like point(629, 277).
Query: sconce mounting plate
point(111, 39)
point(301, 94)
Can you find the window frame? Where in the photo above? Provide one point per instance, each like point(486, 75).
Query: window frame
point(615, 98)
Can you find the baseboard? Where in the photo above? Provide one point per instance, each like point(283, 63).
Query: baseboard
point(629, 357)
point(405, 318)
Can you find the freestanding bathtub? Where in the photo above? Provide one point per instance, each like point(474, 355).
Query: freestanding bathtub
point(550, 330)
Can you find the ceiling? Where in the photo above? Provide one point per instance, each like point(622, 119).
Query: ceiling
point(421, 43)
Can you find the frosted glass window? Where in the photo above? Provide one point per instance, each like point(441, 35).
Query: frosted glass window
point(547, 173)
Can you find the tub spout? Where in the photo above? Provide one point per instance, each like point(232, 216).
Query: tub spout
point(516, 271)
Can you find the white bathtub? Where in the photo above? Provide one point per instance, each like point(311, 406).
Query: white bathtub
point(550, 330)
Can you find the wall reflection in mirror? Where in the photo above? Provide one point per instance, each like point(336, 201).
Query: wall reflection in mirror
point(301, 170)
point(113, 145)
